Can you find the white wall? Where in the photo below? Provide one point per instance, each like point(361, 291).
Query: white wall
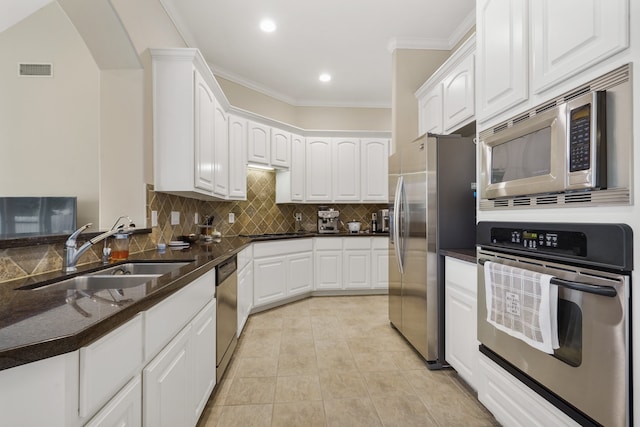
point(49, 127)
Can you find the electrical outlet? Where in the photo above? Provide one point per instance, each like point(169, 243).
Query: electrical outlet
point(154, 218)
point(298, 216)
point(175, 218)
point(232, 217)
point(196, 218)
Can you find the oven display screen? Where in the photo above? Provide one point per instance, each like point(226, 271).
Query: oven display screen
point(564, 242)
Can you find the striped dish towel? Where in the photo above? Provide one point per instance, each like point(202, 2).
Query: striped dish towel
point(523, 304)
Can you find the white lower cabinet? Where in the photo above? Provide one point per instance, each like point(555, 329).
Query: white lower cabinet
point(380, 263)
point(281, 269)
point(166, 385)
point(328, 263)
point(245, 287)
point(356, 264)
point(124, 410)
point(461, 342)
point(105, 368)
point(178, 381)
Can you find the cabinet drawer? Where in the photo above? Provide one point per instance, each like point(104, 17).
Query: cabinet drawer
point(165, 320)
point(283, 247)
point(463, 274)
point(380, 242)
point(107, 364)
point(328, 243)
point(360, 243)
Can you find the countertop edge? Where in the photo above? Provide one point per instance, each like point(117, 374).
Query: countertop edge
point(463, 254)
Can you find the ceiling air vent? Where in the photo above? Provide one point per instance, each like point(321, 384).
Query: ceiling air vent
point(35, 70)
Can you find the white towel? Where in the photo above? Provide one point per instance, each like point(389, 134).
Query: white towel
point(523, 304)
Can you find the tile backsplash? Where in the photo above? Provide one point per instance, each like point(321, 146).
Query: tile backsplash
point(258, 214)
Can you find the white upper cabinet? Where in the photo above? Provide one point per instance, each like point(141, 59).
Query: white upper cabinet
point(221, 152)
point(446, 101)
point(280, 148)
point(459, 94)
point(346, 169)
point(190, 130)
point(204, 134)
point(258, 143)
point(430, 111)
point(318, 169)
point(572, 35)
point(237, 158)
point(502, 55)
point(298, 150)
point(374, 161)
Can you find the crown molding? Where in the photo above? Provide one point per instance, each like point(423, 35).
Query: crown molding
point(461, 30)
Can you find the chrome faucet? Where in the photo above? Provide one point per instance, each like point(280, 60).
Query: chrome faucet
point(72, 252)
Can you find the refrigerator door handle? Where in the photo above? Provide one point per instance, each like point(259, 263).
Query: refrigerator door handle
point(396, 223)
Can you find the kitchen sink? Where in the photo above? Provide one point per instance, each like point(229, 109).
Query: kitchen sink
point(121, 276)
point(137, 268)
point(95, 282)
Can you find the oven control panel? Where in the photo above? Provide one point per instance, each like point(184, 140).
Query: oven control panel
point(565, 242)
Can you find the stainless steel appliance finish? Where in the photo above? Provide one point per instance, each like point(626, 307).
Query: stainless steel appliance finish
point(579, 142)
point(328, 220)
point(383, 221)
point(587, 377)
point(431, 208)
point(226, 313)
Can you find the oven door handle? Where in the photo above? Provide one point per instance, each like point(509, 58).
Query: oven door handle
point(604, 291)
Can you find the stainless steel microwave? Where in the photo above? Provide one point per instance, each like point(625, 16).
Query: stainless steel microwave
point(559, 148)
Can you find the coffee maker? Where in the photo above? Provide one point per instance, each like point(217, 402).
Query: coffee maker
point(327, 220)
point(383, 221)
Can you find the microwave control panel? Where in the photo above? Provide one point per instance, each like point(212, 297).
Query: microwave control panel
point(564, 242)
point(580, 138)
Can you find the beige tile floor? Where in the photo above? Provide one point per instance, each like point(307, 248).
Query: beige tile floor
point(335, 361)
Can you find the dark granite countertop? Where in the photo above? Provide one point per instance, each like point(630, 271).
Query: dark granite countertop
point(39, 323)
point(464, 254)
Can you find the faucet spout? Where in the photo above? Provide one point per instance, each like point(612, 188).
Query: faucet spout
point(72, 253)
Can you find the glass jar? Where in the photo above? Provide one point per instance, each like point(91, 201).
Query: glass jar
point(120, 249)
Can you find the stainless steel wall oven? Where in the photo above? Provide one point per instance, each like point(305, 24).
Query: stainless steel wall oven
point(588, 375)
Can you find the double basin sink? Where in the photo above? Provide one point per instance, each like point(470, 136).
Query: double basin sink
point(120, 276)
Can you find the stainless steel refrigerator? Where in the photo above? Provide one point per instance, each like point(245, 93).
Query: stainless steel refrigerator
point(431, 208)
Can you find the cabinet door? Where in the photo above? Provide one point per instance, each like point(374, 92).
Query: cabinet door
point(374, 160)
point(430, 111)
point(357, 269)
point(280, 148)
point(346, 169)
point(461, 343)
point(300, 278)
point(237, 158)
point(124, 410)
point(221, 152)
point(459, 95)
point(272, 275)
point(318, 169)
point(258, 143)
point(203, 347)
point(573, 35)
point(380, 269)
point(328, 270)
point(166, 385)
point(204, 134)
point(245, 295)
point(502, 55)
point(297, 168)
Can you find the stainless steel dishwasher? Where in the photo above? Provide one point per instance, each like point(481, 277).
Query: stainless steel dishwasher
point(226, 313)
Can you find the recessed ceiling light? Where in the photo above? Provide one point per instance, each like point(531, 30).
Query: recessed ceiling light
point(268, 26)
point(325, 77)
